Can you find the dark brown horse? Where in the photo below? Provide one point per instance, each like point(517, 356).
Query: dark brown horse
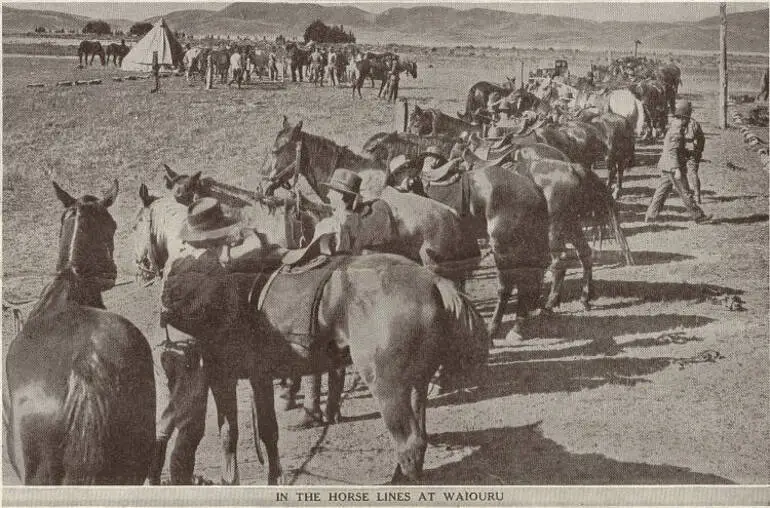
point(396, 332)
point(478, 96)
point(573, 195)
point(299, 58)
point(220, 62)
point(433, 122)
point(653, 95)
point(671, 77)
point(80, 400)
point(379, 69)
point(503, 206)
point(383, 146)
point(117, 52)
point(619, 141)
point(90, 48)
point(580, 141)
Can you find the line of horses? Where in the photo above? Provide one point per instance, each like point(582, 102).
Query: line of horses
point(88, 417)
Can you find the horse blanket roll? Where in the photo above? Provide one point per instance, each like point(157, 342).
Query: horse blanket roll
point(200, 295)
point(290, 300)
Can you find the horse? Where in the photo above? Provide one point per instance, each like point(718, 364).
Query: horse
point(581, 142)
point(379, 69)
point(220, 60)
point(618, 138)
point(298, 59)
point(478, 96)
point(433, 122)
point(117, 52)
point(671, 77)
point(383, 146)
point(572, 194)
point(652, 94)
point(79, 404)
point(194, 61)
point(90, 48)
point(396, 332)
point(503, 206)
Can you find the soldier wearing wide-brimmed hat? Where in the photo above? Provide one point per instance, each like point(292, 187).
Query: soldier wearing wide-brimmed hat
point(344, 224)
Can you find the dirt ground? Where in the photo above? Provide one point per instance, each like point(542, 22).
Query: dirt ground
point(612, 396)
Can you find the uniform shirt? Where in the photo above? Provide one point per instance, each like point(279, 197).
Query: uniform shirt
point(673, 157)
point(346, 226)
point(694, 140)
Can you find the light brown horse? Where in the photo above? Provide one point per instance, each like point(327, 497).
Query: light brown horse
point(394, 319)
point(503, 206)
point(433, 122)
point(79, 404)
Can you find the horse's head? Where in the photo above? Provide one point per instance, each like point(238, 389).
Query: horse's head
point(86, 237)
point(420, 122)
point(510, 83)
point(284, 155)
point(156, 229)
point(184, 188)
point(377, 146)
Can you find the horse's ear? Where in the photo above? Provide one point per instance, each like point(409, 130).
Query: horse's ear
point(63, 196)
point(285, 124)
point(144, 195)
point(170, 172)
point(195, 179)
point(297, 130)
point(417, 109)
point(110, 195)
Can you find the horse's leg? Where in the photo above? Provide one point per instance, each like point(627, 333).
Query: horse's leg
point(586, 261)
point(262, 387)
point(558, 266)
point(395, 398)
point(224, 391)
point(504, 290)
point(334, 396)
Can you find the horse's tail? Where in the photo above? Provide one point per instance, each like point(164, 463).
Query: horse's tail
point(468, 351)
point(87, 415)
point(598, 201)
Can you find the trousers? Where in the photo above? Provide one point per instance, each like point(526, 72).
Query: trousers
point(185, 412)
point(668, 182)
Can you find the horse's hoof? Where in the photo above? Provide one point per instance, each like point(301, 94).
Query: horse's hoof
point(308, 420)
point(334, 418)
point(586, 306)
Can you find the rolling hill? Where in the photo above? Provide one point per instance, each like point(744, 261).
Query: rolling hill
point(439, 25)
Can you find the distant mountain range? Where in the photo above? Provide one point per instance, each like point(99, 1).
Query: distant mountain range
point(436, 25)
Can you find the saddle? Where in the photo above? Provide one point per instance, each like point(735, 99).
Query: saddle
point(443, 172)
point(290, 299)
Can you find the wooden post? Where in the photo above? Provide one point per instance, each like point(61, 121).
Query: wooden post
point(209, 72)
point(723, 65)
point(521, 83)
point(401, 115)
point(636, 46)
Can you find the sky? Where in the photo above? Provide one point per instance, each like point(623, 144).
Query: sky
point(608, 11)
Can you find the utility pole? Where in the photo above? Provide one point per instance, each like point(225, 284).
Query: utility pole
point(723, 65)
point(636, 46)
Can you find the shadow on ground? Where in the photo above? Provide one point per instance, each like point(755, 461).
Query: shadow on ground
point(523, 456)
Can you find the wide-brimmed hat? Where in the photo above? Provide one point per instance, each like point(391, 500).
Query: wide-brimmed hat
point(434, 151)
point(207, 222)
point(345, 181)
point(398, 162)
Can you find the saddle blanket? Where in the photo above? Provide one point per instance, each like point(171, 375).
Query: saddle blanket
point(290, 299)
point(455, 193)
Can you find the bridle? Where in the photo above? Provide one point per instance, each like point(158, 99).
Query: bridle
point(102, 279)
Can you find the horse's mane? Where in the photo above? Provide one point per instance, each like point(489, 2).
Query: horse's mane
point(168, 216)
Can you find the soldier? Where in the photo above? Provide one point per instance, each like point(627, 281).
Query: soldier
point(673, 168)
point(694, 142)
